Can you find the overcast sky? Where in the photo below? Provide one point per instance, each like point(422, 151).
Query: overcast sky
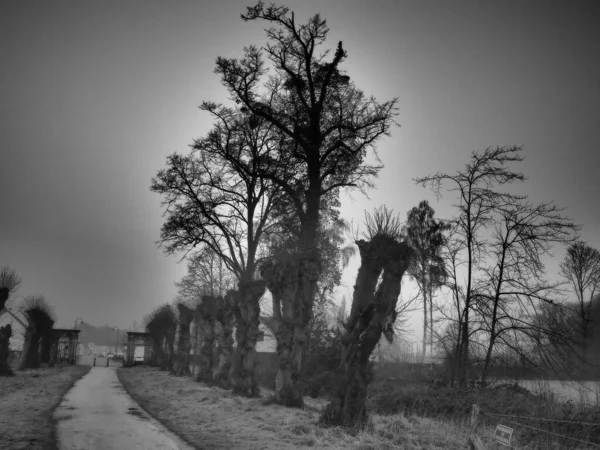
point(95, 95)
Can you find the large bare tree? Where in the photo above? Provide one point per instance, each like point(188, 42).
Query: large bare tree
point(327, 127)
point(217, 199)
point(515, 289)
point(477, 188)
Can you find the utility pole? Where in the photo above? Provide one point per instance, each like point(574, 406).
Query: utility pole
point(117, 343)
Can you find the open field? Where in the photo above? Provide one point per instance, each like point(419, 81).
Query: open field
point(27, 401)
point(585, 392)
point(212, 418)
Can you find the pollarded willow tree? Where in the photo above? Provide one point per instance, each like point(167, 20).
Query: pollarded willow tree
point(276, 271)
point(326, 128)
point(384, 259)
point(217, 199)
point(9, 283)
point(181, 363)
point(225, 314)
point(162, 325)
point(40, 319)
point(209, 277)
point(205, 316)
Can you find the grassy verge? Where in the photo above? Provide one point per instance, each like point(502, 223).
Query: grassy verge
point(208, 417)
point(27, 401)
point(539, 420)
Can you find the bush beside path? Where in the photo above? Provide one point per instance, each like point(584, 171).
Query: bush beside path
point(27, 401)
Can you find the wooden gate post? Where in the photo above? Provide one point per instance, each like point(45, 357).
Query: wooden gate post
point(474, 442)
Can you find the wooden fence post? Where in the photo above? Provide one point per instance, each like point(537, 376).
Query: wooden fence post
point(474, 442)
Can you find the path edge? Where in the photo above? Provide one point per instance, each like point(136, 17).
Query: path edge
point(53, 420)
point(144, 405)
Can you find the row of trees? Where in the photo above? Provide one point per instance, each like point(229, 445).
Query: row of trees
point(258, 196)
point(261, 189)
point(35, 314)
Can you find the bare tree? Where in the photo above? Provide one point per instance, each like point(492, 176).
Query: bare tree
point(326, 127)
point(449, 338)
point(522, 236)
point(478, 200)
point(373, 313)
point(207, 274)
point(581, 267)
point(216, 198)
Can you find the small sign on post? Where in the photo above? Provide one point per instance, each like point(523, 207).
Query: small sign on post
point(503, 434)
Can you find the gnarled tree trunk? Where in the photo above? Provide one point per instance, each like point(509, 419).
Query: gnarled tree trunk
point(29, 352)
point(373, 313)
point(182, 365)
point(247, 319)
point(158, 352)
point(205, 318)
point(225, 338)
point(38, 326)
point(5, 335)
point(292, 280)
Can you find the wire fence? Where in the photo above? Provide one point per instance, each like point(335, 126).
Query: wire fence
point(589, 432)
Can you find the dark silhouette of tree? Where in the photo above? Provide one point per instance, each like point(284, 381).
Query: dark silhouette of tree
point(5, 335)
point(216, 198)
point(514, 286)
point(9, 283)
point(181, 364)
point(581, 267)
point(373, 313)
point(326, 127)
point(40, 319)
point(205, 316)
point(478, 200)
point(425, 235)
point(162, 325)
point(225, 317)
point(449, 338)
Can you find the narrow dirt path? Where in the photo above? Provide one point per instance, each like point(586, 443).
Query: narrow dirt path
point(97, 413)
